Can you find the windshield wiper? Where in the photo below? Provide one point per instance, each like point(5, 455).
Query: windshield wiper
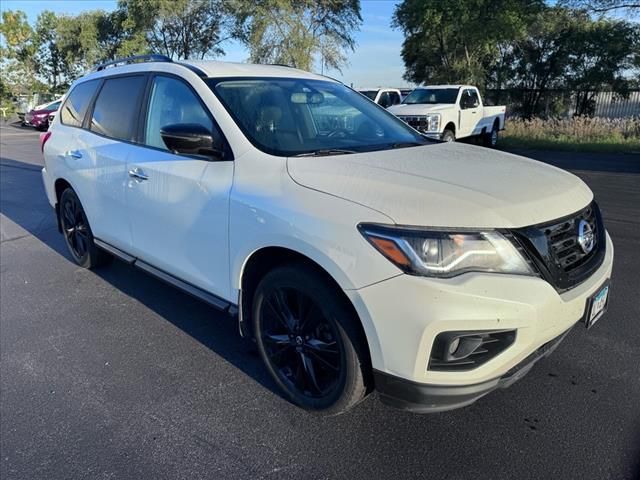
point(326, 151)
point(406, 144)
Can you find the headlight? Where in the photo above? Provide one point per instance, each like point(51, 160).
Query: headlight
point(433, 122)
point(446, 253)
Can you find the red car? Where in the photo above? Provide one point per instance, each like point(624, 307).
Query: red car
point(40, 118)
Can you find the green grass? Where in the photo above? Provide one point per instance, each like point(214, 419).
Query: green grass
point(580, 134)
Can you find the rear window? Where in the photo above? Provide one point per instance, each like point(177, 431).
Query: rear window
point(116, 111)
point(76, 106)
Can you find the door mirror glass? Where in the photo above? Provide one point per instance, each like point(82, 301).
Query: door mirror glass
point(190, 139)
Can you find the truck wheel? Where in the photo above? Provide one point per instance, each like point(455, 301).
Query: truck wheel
point(310, 340)
point(448, 136)
point(491, 138)
point(77, 233)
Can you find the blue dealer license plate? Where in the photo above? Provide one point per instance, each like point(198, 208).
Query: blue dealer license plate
point(597, 306)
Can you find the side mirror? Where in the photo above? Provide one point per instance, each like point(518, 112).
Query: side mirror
point(190, 139)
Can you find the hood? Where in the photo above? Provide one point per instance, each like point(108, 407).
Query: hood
point(419, 108)
point(447, 185)
point(42, 111)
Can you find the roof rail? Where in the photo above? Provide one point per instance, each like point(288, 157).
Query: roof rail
point(135, 59)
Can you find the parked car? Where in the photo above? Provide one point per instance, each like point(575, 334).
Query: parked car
point(39, 116)
point(358, 256)
point(385, 97)
point(450, 112)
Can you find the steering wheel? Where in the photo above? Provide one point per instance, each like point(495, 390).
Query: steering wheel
point(339, 132)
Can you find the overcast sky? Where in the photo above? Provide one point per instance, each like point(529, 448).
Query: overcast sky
point(375, 62)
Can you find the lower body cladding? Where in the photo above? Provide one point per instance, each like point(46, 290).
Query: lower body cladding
point(418, 326)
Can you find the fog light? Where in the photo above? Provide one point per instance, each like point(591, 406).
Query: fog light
point(453, 346)
point(466, 350)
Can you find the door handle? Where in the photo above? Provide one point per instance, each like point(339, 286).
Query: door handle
point(73, 154)
point(138, 174)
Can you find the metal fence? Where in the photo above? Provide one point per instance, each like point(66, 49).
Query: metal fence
point(563, 103)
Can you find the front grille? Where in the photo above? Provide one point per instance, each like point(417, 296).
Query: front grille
point(563, 240)
point(419, 122)
point(555, 250)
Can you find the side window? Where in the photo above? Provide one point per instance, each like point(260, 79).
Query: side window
point(384, 101)
point(76, 105)
point(115, 113)
point(395, 98)
point(172, 102)
point(474, 101)
point(469, 99)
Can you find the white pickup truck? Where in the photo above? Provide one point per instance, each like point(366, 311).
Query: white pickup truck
point(450, 112)
point(385, 97)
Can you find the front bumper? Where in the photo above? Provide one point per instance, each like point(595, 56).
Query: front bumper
point(37, 122)
point(403, 315)
point(423, 398)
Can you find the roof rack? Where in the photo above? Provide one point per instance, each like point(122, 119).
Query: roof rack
point(134, 59)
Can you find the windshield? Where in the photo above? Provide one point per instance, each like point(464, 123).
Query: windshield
point(287, 117)
point(369, 93)
point(432, 95)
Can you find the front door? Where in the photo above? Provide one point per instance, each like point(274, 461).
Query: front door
point(469, 113)
point(178, 205)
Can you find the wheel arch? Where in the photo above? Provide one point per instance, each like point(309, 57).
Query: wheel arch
point(450, 126)
point(265, 259)
point(60, 185)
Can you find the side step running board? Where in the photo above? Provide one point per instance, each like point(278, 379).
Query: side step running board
point(192, 290)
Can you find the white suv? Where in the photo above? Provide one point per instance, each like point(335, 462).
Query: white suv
point(356, 252)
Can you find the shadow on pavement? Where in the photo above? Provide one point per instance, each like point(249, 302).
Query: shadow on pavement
point(592, 162)
point(24, 202)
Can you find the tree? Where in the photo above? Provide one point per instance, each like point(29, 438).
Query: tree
point(537, 62)
point(17, 51)
point(296, 32)
point(50, 61)
point(602, 53)
point(604, 6)
point(179, 29)
point(458, 40)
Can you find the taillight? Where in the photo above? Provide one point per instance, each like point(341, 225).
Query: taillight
point(44, 136)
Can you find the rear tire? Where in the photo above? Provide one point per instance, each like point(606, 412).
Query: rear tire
point(310, 340)
point(491, 139)
point(77, 232)
point(448, 136)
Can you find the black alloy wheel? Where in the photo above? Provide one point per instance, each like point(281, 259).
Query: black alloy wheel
point(308, 340)
point(77, 232)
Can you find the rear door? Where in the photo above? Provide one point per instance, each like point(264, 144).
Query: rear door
point(178, 205)
point(101, 151)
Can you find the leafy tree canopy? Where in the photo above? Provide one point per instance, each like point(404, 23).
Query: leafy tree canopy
point(296, 32)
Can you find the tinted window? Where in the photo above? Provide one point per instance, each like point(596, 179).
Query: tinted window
point(369, 93)
point(288, 116)
point(395, 98)
point(469, 99)
point(432, 95)
point(53, 106)
point(172, 102)
point(76, 105)
point(385, 100)
point(116, 109)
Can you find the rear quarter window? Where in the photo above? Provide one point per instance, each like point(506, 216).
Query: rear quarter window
point(115, 113)
point(76, 105)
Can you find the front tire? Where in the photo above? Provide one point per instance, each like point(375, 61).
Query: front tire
point(77, 232)
point(448, 136)
point(310, 340)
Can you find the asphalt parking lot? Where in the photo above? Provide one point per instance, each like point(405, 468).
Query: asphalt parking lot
point(112, 374)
